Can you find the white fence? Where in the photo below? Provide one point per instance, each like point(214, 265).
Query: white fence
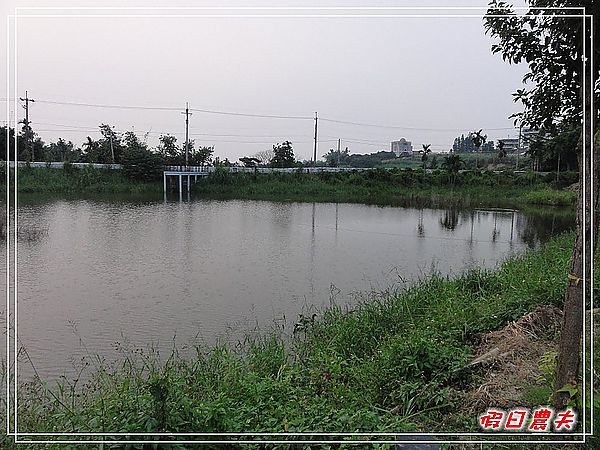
point(238, 169)
point(232, 169)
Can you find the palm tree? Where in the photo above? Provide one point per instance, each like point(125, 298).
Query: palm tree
point(452, 163)
point(426, 150)
point(478, 140)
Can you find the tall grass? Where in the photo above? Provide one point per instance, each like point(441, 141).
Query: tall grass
point(397, 361)
point(378, 186)
point(390, 187)
point(74, 180)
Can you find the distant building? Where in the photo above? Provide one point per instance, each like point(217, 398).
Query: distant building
point(510, 145)
point(402, 148)
point(527, 137)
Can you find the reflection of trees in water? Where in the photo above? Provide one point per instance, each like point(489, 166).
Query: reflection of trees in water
point(534, 229)
point(531, 228)
point(281, 214)
point(420, 227)
point(449, 219)
point(496, 231)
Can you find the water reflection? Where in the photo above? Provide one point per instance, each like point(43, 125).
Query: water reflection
point(150, 270)
point(449, 220)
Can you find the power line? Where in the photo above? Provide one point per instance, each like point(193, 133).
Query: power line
point(266, 116)
point(92, 128)
point(141, 133)
point(166, 108)
point(96, 105)
point(397, 127)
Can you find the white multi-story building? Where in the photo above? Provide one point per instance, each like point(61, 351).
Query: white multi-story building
point(402, 148)
point(510, 145)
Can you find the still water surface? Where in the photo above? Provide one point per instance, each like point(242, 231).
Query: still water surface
point(141, 272)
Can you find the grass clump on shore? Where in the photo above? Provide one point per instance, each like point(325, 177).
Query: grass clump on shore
point(396, 361)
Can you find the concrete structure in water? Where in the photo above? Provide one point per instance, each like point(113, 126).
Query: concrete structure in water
point(184, 173)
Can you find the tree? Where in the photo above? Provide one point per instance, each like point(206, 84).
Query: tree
point(62, 150)
point(478, 140)
point(202, 156)
point(370, 160)
point(553, 100)
point(556, 151)
point(7, 148)
point(264, 156)
point(102, 150)
point(426, 150)
point(452, 163)
point(283, 155)
point(464, 144)
point(110, 146)
point(336, 158)
point(91, 150)
point(169, 150)
point(248, 161)
point(218, 163)
point(138, 162)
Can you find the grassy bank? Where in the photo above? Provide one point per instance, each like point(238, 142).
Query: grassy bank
point(397, 361)
point(391, 187)
point(74, 180)
point(386, 187)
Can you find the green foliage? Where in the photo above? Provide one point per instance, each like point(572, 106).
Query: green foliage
point(202, 156)
point(170, 151)
point(141, 164)
point(371, 160)
point(466, 144)
point(553, 50)
point(392, 187)
point(478, 139)
point(7, 147)
point(72, 179)
point(283, 155)
point(220, 176)
point(249, 161)
point(554, 152)
point(62, 150)
point(336, 158)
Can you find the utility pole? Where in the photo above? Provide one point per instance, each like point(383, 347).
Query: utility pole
point(315, 150)
point(338, 155)
point(29, 137)
point(112, 150)
point(519, 147)
point(187, 126)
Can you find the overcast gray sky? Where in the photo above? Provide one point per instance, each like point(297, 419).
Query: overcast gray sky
point(434, 76)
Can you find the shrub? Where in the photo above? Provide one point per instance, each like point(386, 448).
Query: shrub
point(68, 167)
point(221, 176)
point(141, 164)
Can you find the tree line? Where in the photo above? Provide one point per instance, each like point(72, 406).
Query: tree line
point(112, 148)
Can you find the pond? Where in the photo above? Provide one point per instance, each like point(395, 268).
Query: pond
point(106, 273)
